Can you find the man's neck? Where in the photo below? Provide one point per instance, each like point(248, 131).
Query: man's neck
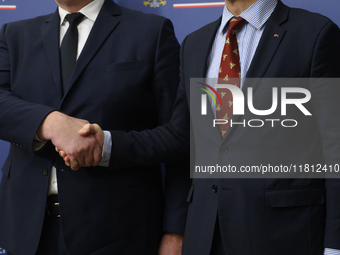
point(73, 6)
point(236, 7)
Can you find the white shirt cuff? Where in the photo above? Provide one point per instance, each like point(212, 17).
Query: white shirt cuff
point(331, 252)
point(38, 143)
point(106, 155)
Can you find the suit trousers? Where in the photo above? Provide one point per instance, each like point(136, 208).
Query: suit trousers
point(51, 239)
point(217, 245)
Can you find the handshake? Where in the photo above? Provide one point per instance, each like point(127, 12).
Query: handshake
point(77, 141)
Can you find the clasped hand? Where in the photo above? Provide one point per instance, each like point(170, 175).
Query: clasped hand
point(93, 157)
point(76, 140)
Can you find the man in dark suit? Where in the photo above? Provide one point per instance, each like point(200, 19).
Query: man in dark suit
point(125, 79)
point(240, 216)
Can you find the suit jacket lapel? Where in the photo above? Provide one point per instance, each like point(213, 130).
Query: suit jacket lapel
point(102, 28)
point(50, 38)
point(268, 45)
point(204, 47)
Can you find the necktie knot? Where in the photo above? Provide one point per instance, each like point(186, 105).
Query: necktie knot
point(74, 18)
point(235, 23)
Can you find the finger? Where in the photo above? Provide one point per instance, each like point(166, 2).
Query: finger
point(90, 129)
point(82, 161)
point(67, 159)
point(57, 149)
point(99, 135)
point(86, 130)
point(89, 159)
point(62, 154)
point(74, 165)
point(95, 128)
point(97, 155)
point(85, 158)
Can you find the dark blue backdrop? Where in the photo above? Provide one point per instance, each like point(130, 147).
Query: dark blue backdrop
point(185, 20)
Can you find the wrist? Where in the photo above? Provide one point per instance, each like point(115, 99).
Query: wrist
point(174, 235)
point(46, 129)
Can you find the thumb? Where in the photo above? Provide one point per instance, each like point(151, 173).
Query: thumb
point(93, 129)
point(85, 130)
point(98, 133)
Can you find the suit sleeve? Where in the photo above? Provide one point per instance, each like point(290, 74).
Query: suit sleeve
point(168, 142)
point(177, 180)
point(326, 106)
point(19, 119)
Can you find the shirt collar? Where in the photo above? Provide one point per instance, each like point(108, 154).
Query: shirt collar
point(256, 15)
point(90, 11)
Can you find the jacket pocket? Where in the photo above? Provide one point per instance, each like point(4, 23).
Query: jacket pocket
point(124, 66)
point(6, 168)
point(294, 197)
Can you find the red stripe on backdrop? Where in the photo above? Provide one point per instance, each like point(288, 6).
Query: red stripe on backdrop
point(8, 7)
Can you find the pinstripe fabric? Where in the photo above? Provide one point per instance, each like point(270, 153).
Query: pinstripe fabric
point(248, 37)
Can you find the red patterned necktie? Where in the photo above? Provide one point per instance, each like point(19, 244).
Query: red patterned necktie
point(229, 68)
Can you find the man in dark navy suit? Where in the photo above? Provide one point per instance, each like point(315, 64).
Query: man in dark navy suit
point(91, 61)
point(265, 216)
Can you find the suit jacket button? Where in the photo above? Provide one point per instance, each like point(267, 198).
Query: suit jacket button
point(214, 188)
point(224, 149)
point(45, 172)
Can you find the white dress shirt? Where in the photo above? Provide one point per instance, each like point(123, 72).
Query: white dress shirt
point(90, 13)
